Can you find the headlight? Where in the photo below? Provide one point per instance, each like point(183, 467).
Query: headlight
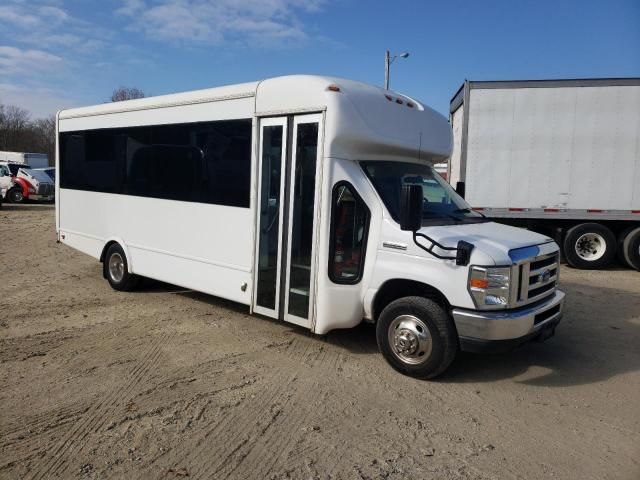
point(32, 190)
point(489, 286)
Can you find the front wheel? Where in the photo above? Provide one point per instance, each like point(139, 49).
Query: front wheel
point(15, 195)
point(417, 337)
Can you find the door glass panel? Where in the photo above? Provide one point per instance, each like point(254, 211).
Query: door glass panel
point(304, 182)
point(350, 224)
point(269, 216)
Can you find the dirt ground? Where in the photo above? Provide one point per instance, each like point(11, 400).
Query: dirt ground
point(167, 383)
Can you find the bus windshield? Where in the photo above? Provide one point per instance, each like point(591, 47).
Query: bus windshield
point(442, 205)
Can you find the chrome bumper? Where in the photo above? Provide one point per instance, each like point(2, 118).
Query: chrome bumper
point(510, 324)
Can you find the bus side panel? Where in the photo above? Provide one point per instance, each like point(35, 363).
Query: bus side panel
point(199, 246)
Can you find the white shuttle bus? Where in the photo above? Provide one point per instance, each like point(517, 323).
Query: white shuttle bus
point(312, 200)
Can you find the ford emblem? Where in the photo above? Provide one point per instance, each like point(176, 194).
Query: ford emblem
point(544, 276)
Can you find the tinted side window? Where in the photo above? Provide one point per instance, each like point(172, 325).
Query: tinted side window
point(349, 230)
point(103, 165)
point(208, 162)
point(72, 159)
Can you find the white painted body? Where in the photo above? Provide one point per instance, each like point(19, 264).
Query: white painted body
point(549, 149)
point(212, 248)
point(6, 180)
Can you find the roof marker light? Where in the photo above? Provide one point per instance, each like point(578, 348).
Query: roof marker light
point(333, 88)
point(399, 101)
point(389, 97)
point(410, 105)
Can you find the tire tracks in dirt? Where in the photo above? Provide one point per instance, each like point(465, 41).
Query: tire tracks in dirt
point(55, 461)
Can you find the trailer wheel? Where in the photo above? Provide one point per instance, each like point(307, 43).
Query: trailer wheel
point(116, 270)
point(417, 337)
point(589, 246)
point(629, 247)
point(15, 195)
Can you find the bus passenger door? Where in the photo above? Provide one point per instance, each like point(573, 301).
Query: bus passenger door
point(287, 217)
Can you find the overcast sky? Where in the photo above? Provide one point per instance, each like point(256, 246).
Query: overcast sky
point(61, 53)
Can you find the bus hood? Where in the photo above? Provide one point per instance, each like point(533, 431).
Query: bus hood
point(489, 239)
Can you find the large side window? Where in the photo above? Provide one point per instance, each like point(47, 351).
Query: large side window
point(349, 230)
point(206, 162)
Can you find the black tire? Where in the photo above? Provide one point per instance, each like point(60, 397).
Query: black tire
point(444, 338)
point(15, 195)
point(118, 276)
point(629, 247)
point(589, 246)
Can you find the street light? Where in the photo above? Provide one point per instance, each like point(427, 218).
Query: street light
point(388, 60)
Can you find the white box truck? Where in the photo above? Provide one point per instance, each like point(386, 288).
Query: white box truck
point(557, 156)
point(312, 200)
point(33, 160)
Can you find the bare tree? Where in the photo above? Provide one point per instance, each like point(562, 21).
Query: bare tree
point(18, 133)
point(14, 128)
point(44, 133)
point(125, 93)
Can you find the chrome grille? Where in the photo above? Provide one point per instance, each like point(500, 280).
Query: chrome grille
point(535, 278)
point(45, 189)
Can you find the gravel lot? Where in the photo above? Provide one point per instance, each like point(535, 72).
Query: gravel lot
point(167, 383)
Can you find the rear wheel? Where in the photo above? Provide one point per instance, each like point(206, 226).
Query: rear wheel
point(15, 195)
point(116, 270)
point(417, 337)
point(589, 246)
point(629, 247)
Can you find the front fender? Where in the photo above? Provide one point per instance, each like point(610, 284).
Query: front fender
point(24, 185)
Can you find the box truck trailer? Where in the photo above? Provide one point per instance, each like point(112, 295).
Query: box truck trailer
point(560, 157)
point(32, 160)
point(312, 200)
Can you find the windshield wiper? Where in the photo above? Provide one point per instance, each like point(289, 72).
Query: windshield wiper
point(467, 210)
point(434, 215)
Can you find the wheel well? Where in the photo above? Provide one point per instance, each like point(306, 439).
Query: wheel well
point(394, 289)
point(104, 253)
point(105, 248)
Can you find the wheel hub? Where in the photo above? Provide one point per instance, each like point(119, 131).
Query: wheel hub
point(116, 267)
point(590, 246)
point(410, 339)
point(406, 341)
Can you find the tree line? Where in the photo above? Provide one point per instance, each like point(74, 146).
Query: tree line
point(20, 133)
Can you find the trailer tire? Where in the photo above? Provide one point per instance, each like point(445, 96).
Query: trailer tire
point(15, 195)
point(116, 270)
point(589, 246)
point(629, 247)
point(417, 337)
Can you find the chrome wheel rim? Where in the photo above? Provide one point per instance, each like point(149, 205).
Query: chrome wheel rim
point(590, 246)
point(410, 339)
point(116, 267)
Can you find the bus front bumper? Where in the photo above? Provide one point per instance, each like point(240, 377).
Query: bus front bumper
point(495, 331)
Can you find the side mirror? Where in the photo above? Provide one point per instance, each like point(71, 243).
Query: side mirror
point(460, 189)
point(411, 204)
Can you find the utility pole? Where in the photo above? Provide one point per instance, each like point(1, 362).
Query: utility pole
point(388, 60)
point(387, 63)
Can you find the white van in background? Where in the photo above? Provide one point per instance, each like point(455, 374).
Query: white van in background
point(312, 200)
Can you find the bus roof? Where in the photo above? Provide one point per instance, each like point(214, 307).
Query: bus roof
point(362, 118)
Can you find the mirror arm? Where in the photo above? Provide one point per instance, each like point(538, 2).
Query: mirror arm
point(463, 250)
